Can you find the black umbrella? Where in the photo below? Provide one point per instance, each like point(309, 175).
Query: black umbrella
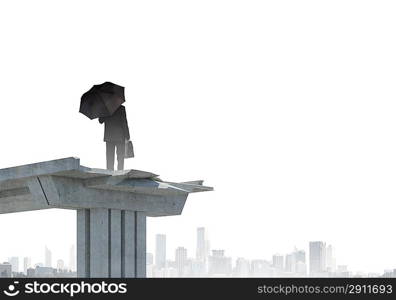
point(102, 100)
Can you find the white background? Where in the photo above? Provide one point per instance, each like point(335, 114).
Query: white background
point(287, 108)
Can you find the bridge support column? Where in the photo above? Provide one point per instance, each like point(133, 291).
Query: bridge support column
point(111, 243)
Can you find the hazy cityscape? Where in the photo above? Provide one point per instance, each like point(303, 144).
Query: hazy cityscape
point(318, 261)
point(14, 267)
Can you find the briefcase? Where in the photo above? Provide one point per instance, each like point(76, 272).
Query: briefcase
point(129, 153)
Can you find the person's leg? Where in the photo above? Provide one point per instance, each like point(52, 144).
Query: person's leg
point(110, 149)
point(120, 155)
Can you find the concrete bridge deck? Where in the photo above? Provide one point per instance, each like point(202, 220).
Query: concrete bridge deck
point(111, 206)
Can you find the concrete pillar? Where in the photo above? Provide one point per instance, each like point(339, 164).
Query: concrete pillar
point(83, 239)
point(111, 243)
point(115, 243)
point(140, 244)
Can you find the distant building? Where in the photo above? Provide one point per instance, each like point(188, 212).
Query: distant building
point(330, 259)
point(342, 271)
point(160, 251)
point(219, 264)
point(290, 263)
point(14, 261)
point(166, 272)
point(260, 268)
point(149, 265)
point(149, 259)
point(242, 268)
point(181, 261)
point(150, 271)
point(188, 268)
point(170, 264)
point(5, 270)
point(27, 263)
point(30, 273)
point(389, 273)
point(198, 268)
point(72, 258)
point(47, 258)
point(60, 265)
point(65, 273)
point(203, 246)
point(295, 263)
point(44, 272)
point(301, 268)
point(299, 255)
point(171, 272)
point(277, 262)
point(317, 258)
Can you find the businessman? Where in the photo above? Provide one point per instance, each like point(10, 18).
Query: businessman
point(116, 134)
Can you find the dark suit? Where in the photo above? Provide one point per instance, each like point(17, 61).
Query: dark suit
point(115, 134)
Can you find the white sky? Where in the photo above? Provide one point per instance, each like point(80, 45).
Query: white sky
point(287, 108)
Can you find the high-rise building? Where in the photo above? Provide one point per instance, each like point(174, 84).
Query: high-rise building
point(181, 260)
point(47, 258)
point(72, 258)
point(27, 263)
point(160, 251)
point(290, 263)
point(330, 259)
point(203, 246)
point(14, 262)
point(317, 257)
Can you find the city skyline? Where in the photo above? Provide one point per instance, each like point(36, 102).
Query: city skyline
point(22, 263)
point(317, 260)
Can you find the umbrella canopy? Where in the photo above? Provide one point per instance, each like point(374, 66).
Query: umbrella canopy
point(102, 100)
